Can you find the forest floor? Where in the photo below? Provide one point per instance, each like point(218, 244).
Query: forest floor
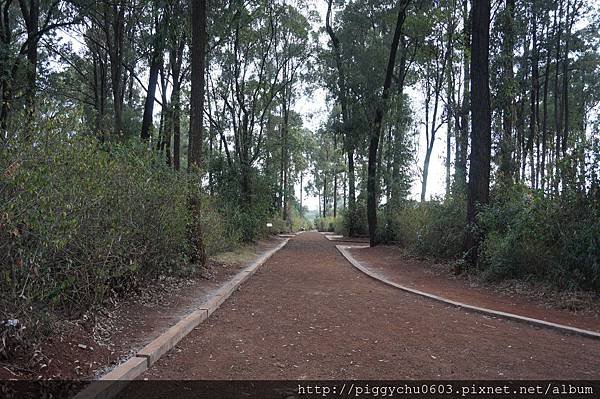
point(91, 345)
point(308, 314)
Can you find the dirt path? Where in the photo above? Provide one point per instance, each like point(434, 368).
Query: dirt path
point(409, 271)
point(308, 314)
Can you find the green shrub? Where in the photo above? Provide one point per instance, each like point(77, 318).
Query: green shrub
point(330, 224)
point(220, 233)
point(434, 228)
point(531, 236)
point(80, 221)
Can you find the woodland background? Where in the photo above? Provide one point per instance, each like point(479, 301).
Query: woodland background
point(137, 136)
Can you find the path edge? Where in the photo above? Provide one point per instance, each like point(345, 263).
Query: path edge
point(109, 385)
point(343, 249)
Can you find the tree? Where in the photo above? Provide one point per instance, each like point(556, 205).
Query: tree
point(199, 38)
point(436, 55)
point(377, 126)
point(156, 54)
point(347, 129)
point(481, 136)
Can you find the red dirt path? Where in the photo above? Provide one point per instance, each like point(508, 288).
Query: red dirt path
point(394, 265)
point(308, 314)
point(127, 326)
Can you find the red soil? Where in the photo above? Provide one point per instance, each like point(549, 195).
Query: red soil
point(308, 314)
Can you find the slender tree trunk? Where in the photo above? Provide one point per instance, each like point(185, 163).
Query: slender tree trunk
point(31, 15)
point(377, 126)
point(565, 81)
point(431, 132)
point(461, 167)
point(335, 179)
point(324, 196)
point(301, 206)
point(545, 121)
point(155, 62)
point(198, 50)
point(557, 94)
point(349, 139)
point(115, 31)
point(479, 170)
point(533, 96)
point(508, 46)
point(344, 193)
point(448, 145)
point(176, 107)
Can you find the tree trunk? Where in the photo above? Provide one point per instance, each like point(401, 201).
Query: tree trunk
point(115, 31)
point(31, 16)
point(461, 165)
point(324, 196)
point(349, 139)
point(351, 194)
point(557, 105)
point(149, 103)
point(199, 39)
point(533, 96)
point(176, 108)
point(152, 82)
point(335, 187)
point(508, 48)
point(377, 126)
point(479, 170)
point(542, 166)
point(301, 207)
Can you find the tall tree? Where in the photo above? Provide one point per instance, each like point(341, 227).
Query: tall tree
point(156, 55)
point(481, 137)
point(506, 96)
point(377, 125)
point(462, 117)
point(347, 129)
point(437, 54)
point(198, 53)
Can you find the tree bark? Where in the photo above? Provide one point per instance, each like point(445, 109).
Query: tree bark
point(349, 139)
point(508, 48)
point(557, 104)
point(533, 96)
point(152, 82)
point(115, 32)
point(31, 15)
point(199, 39)
point(460, 178)
point(479, 169)
point(176, 56)
point(377, 126)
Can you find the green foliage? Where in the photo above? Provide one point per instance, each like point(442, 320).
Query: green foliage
point(220, 232)
point(326, 224)
point(528, 235)
point(432, 228)
point(525, 235)
point(80, 221)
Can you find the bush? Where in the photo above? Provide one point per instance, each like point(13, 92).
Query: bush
point(434, 228)
point(331, 224)
point(531, 236)
point(220, 232)
point(80, 221)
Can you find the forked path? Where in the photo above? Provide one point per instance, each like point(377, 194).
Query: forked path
point(308, 314)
